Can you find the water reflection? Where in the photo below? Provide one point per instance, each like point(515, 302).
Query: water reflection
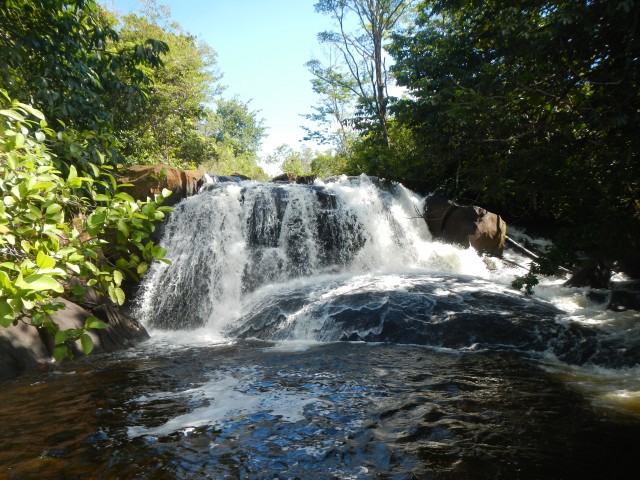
point(342, 410)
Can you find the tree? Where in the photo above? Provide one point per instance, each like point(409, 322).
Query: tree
point(62, 56)
point(236, 126)
point(335, 111)
point(531, 106)
point(168, 127)
point(290, 160)
point(237, 133)
point(362, 53)
point(63, 217)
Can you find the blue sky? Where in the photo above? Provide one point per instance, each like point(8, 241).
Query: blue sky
point(262, 47)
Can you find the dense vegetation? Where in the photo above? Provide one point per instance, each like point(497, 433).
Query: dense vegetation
point(529, 107)
point(83, 93)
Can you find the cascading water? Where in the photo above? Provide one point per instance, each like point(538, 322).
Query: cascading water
point(317, 332)
point(234, 238)
point(348, 259)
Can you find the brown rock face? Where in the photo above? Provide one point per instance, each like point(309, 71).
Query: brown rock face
point(150, 180)
point(24, 347)
point(465, 225)
point(293, 178)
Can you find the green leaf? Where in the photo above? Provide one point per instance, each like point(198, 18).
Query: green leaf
point(37, 319)
point(100, 197)
point(92, 323)
point(120, 296)
point(20, 140)
point(117, 295)
point(53, 209)
point(6, 314)
point(44, 261)
point(158, 252)
point(61, 337)
point(78, 291)
point(39, 282)
point(33, 111)
point(142, 268)
point(60, 352)
point(13, 115)
point(86, 343)
point(72, 180)
point(117, 277)
point(5, 281)
point(125, 196)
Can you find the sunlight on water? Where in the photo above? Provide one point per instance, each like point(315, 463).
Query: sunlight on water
point(239, 246)
point(614, 389)
point(235, 238)
point(319, 332)
point(226, 396)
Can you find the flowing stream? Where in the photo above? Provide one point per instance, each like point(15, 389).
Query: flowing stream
point(318, 332)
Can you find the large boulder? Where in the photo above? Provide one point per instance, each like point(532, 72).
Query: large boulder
point(465, 225)
point(150, 180)
point(24, 347)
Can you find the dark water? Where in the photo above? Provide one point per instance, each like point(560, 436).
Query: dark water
point(339, 410)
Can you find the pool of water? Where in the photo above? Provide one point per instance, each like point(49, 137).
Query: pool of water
point(249, 409)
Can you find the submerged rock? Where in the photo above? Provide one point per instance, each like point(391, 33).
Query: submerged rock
point(594, 274)
point(460, 313)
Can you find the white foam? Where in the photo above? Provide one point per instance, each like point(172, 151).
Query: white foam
point(610, 388)
point(227, 396)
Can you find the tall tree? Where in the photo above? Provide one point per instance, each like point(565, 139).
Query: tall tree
point(238, 132)
point(63, 57)
point(334, 113)
point(533, 106)
point(168, 128)
point(362, 52)
point(237, 126)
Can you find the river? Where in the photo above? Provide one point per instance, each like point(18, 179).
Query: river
point(318, 332)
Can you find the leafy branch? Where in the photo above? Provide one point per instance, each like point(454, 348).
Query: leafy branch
point(56, 227)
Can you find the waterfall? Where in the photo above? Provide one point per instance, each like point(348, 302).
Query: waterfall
point(236, 237)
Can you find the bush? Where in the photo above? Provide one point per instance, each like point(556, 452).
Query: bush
point(60, 222)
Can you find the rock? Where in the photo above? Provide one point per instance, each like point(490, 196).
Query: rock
point(149, 180)
point(24, 347)
point(465, 225)
point(293, 178)
point(594, 274)
point(625, 296)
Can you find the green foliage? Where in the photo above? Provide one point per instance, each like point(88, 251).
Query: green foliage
point(334, 114)
point(290, 160)
point(360, 68)
point(237, 127)
point(238, 133)
point(59, 222)
point(307, 161)
point(531, 107)
point(185, 123)
point(63, 57)
point(327, 164)
point(169, 127)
